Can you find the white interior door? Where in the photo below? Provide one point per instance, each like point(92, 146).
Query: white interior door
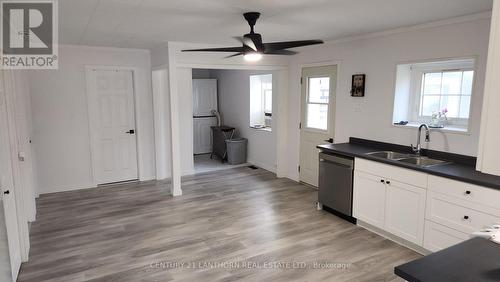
point(203, 134)
point(204, 97)
point(10, 250)
point(112, 125)
point(317, 122)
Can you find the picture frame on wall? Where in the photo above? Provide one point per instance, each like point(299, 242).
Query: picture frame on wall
point(358, 85)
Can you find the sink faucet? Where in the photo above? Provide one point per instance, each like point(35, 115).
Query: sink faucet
point(417, 149)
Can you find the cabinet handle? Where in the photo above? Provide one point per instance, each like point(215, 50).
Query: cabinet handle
point(6, 192)
point(467, 192)
point(388, 182)
point(466, 217)
point(381, 180)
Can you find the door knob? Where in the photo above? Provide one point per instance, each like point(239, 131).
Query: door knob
point(131, 131)
point(6, 192)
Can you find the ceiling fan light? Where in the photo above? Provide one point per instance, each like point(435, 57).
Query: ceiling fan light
point(252, 57)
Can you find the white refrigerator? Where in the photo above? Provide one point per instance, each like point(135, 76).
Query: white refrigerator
point(204, 102)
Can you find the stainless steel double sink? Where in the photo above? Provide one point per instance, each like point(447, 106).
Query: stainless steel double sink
point(408, 158)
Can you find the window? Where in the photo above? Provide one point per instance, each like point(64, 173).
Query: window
point(437, 93)
point(261, 101)
point(450, 90)
point(318, 98)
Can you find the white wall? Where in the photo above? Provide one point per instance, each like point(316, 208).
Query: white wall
point(59, 103)
point(371, 117)
point(159, 57)
point(234, 106)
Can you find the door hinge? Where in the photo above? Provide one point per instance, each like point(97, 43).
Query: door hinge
point(299, 168)
point(300, 125)
point(301, 80)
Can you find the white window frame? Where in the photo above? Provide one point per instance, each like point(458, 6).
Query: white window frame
point(262, 105)
point(416, 88)
point(307, 103)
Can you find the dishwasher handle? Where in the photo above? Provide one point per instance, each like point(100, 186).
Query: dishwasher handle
point(338, 160)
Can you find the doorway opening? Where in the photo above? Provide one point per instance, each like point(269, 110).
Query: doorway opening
point(232, 119)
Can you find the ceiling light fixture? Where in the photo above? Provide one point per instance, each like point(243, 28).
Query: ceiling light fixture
point(252, 57)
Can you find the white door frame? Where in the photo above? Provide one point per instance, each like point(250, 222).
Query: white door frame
point(92, 133)
point(281, 122)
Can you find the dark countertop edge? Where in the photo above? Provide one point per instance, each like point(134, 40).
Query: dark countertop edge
point(447, 260)
point(433, 170)
point(406, 276)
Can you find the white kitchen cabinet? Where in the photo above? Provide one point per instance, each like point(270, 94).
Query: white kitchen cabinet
point(204, 97)
point(438, 237)
point(430, 211)
point(369, 198)
point(405, 211)
point(202, 135)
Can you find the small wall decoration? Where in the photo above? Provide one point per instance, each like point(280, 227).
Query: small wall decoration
point(358, 85)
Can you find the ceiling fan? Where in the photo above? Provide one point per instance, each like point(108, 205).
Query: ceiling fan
point(253, 48)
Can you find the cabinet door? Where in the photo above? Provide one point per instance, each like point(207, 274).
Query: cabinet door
point(369, 198)
point(204, 96)
point(203, 135)
point(405, 211)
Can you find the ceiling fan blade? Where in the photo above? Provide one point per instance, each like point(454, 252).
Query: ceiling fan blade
point(290, 44)
point(247, 42)
point(226, 49)
point(233, 55)
point(280, 52)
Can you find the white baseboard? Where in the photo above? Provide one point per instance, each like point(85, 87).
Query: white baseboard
point(267, 167)
point(393, 238)
point(147, 178)
point(67, 188)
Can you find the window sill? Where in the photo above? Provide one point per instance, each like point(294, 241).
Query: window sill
point(447, 129)
point(268, 129)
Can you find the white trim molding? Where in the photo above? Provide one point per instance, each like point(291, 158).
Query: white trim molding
point(489, 138)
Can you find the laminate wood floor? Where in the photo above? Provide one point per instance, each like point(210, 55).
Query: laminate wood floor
point(231, 225)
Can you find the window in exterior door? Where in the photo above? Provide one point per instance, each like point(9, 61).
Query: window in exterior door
point(317, 103)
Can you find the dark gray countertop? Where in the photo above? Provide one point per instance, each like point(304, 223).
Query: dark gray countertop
point(476, 259)
point(458, 170)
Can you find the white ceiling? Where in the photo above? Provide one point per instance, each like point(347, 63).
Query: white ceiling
point(146, 23)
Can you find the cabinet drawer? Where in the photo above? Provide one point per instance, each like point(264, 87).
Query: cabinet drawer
point(403, 175)
point(472, 195)
point(438, 237)
point(444, 210)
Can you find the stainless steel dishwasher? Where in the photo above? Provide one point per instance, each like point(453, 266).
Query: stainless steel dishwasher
point(335, 184)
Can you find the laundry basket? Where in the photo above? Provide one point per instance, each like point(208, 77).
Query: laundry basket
point(237, 151)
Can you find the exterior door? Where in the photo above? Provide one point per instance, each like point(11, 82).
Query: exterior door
point(112, 125)
point(317, 122)
point(204, 97)
point(10, 262)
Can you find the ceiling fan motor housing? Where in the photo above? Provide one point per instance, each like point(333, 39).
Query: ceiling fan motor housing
point(257, 40)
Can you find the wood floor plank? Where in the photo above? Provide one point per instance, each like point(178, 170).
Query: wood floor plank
point(231, 225)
